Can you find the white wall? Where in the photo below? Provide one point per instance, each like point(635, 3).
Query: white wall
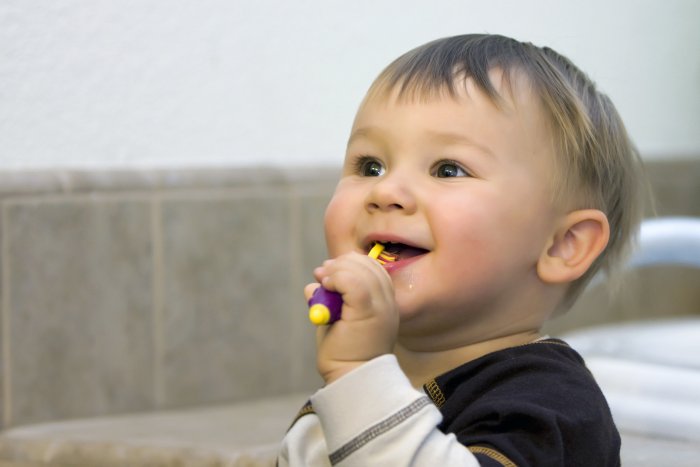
point(115, 83)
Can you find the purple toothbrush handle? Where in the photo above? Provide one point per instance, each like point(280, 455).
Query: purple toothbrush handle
point(325, 306)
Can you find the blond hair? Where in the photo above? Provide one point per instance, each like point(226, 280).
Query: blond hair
point(597, 165)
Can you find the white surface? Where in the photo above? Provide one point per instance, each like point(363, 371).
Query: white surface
point(649, 399)
point(673, 342)
point(650, 374)
point(218, 82)
point(669, 240)
point(644, 451)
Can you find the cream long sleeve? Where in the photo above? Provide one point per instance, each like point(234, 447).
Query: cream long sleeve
point(372, 416)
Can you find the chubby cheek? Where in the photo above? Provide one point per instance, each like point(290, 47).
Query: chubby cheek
point(339, 222)
point(480, 244)
point(470, 230)
point(474, 267)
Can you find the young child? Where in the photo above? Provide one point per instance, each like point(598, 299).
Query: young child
point(502, 180)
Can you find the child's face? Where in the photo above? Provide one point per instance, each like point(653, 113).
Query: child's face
point(465, 186)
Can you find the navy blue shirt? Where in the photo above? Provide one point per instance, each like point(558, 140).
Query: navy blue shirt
point(531, 405)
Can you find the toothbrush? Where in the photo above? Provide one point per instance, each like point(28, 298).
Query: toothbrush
point(325, 306)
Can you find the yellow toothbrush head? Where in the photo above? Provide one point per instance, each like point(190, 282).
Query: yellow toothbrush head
point(377, 252)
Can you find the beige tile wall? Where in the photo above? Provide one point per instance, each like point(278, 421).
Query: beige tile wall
point(124, 294)
point(134, 291)
point(77, 325)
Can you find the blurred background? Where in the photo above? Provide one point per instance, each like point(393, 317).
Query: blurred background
point(165, 165)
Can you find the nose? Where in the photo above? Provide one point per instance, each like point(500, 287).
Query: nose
point(391, 192)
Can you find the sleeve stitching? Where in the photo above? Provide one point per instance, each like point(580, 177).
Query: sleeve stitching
point(379, 429)
point(493, 454)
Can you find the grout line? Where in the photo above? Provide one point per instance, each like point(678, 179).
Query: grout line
point(157, 299)
point(295, 247)
point(6, 334)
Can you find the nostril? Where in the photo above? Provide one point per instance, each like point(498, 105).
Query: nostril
point(384, 207)
point(390, 194)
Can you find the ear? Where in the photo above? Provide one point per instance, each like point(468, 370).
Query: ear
point(579, 239)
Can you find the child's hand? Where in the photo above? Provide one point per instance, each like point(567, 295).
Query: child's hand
point(369, 324)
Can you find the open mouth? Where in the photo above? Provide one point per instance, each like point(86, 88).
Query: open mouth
point(394, 251)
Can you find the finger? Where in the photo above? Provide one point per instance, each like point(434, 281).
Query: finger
point(362, 281)
point(309, 290)
point(360, 264)
point(323, 270)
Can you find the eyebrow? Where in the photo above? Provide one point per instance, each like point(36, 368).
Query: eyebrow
point(456, 138)
point(365, 132)
point(444, 137)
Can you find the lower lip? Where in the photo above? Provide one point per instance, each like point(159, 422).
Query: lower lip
point(394, 266)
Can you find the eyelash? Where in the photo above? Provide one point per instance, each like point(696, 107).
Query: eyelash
point(447, 162)
point(362, 165)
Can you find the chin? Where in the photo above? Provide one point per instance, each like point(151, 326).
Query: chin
point(410, 316)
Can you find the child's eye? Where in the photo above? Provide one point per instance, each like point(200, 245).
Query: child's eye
point(448, 169)
point(369, 167)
